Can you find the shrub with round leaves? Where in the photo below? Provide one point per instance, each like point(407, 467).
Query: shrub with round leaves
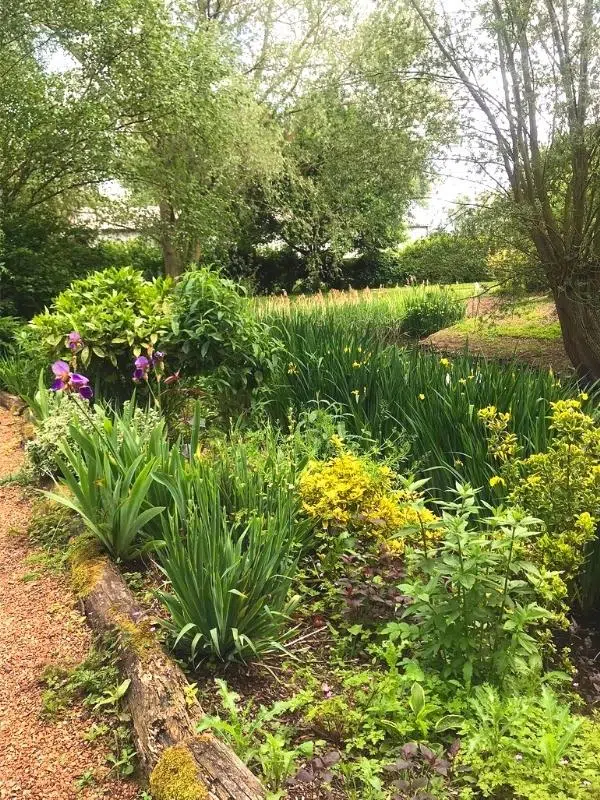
point(117, 315)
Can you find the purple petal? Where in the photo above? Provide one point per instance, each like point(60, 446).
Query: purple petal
point(61, 369)
point(139, 374)
point(86, 392)
point(77, 380)
point(141, 362)
point(57, 385)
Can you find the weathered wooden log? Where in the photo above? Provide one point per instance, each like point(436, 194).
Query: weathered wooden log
point(179, 763)
point(11, 402)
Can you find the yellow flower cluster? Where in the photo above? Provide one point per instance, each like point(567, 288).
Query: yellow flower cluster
point(502, 444)
point(354, 493)
point(560, 486)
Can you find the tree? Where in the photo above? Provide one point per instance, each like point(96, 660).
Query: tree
point(197, 140)
point(359, 146)
point(527, 69)
point(57, 132)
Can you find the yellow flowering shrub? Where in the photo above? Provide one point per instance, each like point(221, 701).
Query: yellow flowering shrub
point(560, 486)
point(350, 492)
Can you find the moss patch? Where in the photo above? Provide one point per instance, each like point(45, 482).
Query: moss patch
point(86, 567)
point(175, 777)
point(139, 636)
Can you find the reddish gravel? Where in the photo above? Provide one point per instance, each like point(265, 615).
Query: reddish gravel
point(39, 625)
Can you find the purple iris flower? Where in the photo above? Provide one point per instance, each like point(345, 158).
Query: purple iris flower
point(142, 365)
point(157, 358)
point(74, 341)
point(68, 381)
point(62, 372)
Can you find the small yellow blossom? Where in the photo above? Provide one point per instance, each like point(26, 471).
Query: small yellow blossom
point(496, 480)
point(356, 364)
point(445, 362)
point(421, 396)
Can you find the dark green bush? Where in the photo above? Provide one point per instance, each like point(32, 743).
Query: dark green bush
point(275, 270)
point(215, 332)
point(40, 255)
point(138, 253)
point(373, 269)
point(9, 328)
point(429, 309)
point(444, 258)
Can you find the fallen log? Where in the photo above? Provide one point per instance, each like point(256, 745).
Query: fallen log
point(179, 763)
point(11, 402)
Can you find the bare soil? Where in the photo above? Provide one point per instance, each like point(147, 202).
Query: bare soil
point(40, 624)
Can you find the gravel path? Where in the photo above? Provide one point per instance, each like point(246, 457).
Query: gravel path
point(39, 625)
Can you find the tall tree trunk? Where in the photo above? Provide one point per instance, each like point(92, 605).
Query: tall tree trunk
point(579, 319)
point(171, 257)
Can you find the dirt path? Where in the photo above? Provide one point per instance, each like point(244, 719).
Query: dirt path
point(39, 625)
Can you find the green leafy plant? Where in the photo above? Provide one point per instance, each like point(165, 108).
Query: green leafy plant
point(109, 473)
point(531, 744)
point(216, 333)
point(429, 311)
point(230, 578)
point(247, 730)
point(117, 313)
point(473, 594)
point(561, 485)
point(384, 392)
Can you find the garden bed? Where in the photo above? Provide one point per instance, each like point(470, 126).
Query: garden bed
point(360, 554)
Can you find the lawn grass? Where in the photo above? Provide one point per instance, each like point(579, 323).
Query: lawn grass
point(529, 317)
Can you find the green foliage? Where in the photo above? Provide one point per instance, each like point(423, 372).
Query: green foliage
point(51, 526)
point(109, 474)
point(19, 374)
point(383, 392)
point(386, 315)
point(529, 744)
point(10, 327)
point(254, 737)
point(141, 254)
point(230, 574)
point(355, 157)
point(41, 253)
point(473, 594)
point(42, 452)
point(516, 271)
point(215, 332)
point(117, 313)
point(96, 683)
point(374, 268)
point(444, 258)
point(198, 140)
point(430, 311)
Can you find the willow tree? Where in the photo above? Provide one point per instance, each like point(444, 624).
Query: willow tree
point(527, 70)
